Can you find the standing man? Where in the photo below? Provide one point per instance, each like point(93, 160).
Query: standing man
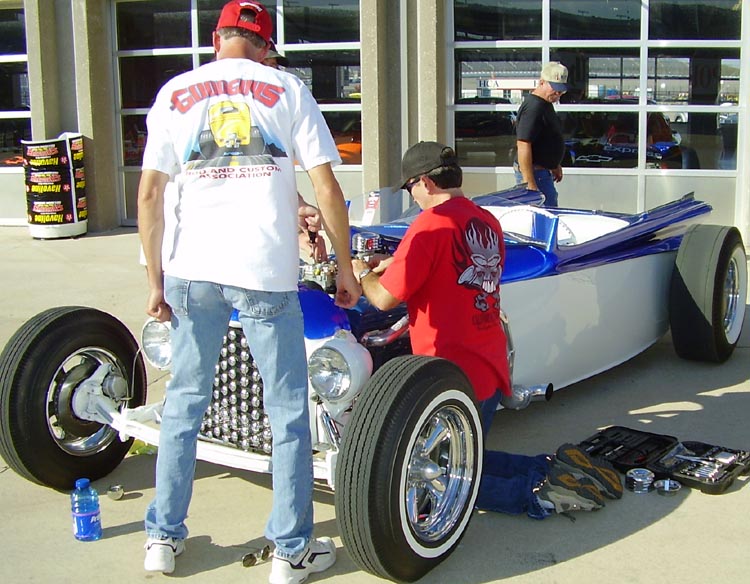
point(228, 134)
point(447, 269)
point(539, 138)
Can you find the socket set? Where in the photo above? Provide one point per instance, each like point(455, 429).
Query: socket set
point(707, 467)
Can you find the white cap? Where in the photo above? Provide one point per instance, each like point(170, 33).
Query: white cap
point(556, 74)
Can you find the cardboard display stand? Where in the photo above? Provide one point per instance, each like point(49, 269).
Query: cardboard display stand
point(55, 186)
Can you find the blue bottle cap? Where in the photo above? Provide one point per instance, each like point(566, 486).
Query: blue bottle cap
point(82, 483)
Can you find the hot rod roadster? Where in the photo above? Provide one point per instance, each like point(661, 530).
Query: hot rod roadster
point(397, 436)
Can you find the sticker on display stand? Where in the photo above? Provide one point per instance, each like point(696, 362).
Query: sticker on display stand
point(55, 186)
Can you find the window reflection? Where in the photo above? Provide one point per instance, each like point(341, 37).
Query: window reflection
point(133, 139)
point(14, 87)
point(609, 139)
point(497, 19)
point(497, 73)
point(150, 25)
point(595, 19)
point(331, 76)
point(600, 73)
point(485, 138)
point(321, 21)
point(12, 32)
point(208, 16)
point(142, 77)
point(694, 76)
point(695, 19)
point(11, 134)
point(346, 129)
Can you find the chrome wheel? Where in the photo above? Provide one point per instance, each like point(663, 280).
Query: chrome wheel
point(734, 294)
point(72, 434)
point(440, 473)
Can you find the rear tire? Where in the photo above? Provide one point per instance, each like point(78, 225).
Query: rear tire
point(408, 472)
point(708, 293)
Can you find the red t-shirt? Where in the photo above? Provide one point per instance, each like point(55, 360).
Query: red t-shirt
point(447, 270)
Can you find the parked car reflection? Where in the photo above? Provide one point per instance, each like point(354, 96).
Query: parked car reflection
point(610, 139)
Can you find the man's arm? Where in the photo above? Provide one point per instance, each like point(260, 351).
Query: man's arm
point(151, 231)
point(373, 290)
point(526, 164)
point(335, 218)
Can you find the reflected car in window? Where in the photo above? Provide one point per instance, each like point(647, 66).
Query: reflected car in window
point(610, 139)
point(485, 138)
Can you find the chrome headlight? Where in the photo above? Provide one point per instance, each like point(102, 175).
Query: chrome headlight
point(156, 343)
point(339, 368)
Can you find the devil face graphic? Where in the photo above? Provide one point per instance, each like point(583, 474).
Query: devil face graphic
point(484, 253)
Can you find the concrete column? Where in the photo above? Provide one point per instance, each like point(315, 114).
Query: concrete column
point(381, 100)
point(96, 115)
point(41, 39)
point(430, 81)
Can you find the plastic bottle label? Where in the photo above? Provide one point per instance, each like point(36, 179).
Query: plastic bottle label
point(86, 525)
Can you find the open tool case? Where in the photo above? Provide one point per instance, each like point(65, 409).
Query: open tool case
point(694, 464)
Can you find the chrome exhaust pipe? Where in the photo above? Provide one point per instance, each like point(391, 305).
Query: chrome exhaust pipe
point(521, 396)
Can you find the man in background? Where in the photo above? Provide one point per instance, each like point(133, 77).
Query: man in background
point(539, 138)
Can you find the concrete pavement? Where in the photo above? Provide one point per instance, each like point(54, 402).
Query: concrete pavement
point(688, 538)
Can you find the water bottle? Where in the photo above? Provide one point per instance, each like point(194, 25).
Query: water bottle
point(84, 501)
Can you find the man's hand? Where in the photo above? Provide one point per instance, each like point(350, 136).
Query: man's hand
point(308, 217)
point(315, 250)
point(557, 173)
point(348, 290)
point(157, 307)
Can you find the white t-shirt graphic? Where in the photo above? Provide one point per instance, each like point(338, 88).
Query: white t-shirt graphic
point(229, 134)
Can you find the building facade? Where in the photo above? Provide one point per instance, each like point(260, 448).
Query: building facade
point(656, 109)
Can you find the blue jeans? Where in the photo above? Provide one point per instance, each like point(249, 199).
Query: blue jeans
point(509, 480)
point(544, 181)
point(272, 323)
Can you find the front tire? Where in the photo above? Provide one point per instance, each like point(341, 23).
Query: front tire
point(408, 472)
point(41, 368)
point(708, 292)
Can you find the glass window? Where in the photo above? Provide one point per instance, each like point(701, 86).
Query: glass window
point(504, 73)
point(595, 19)
point(11, 134)
point(153, 25)
point(480, 20)
point(695, 19)
point(331, 76)
point(693, 76)
point(600, 73)
point(12, 32)
point(14, 87)
point(485, 138)
point(142, 77)
point(346, 128)
point(321, 21)
point(208, 16)
point(490, 85)
point(133, 139)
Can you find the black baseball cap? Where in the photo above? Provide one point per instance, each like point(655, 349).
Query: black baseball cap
point(424, 157)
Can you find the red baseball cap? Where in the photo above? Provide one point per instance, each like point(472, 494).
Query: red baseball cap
point(230, 16)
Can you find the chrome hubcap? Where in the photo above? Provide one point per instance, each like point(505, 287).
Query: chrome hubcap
point(439, 474)
point(75, 436)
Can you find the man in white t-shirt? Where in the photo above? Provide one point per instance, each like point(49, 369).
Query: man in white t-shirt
point(229, 134)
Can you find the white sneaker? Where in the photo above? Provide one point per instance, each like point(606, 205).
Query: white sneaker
point(319, 555)
point(160, 554)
